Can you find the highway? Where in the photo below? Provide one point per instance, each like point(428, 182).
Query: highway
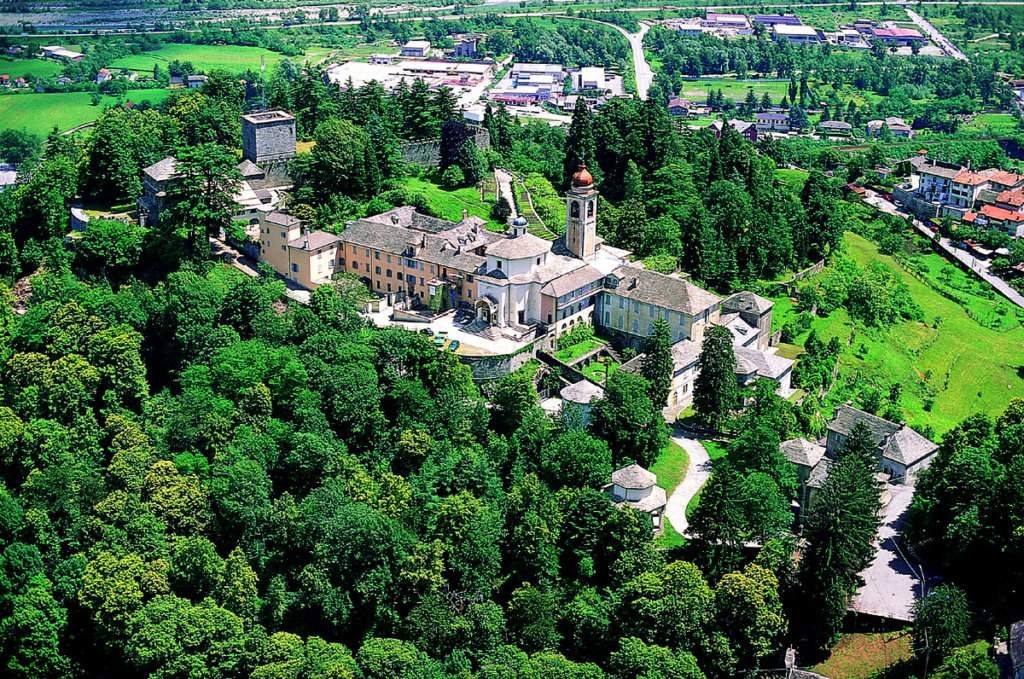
point(937, 37)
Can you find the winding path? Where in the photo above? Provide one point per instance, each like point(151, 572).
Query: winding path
point(696, 476)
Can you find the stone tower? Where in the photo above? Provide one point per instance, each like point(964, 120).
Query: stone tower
point(268, 136)
point(581, 210)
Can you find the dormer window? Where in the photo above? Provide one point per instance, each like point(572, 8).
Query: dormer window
point(499, 264)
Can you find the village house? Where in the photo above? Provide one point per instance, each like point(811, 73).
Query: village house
point(677, 106)
point(747, 130)
point(902, 452)
point(897, 126)
point(194, 82)
point(836, 127)
point(103, 75)
point(309, 259)
point(903, 37)
point(59, 52)
point(773, 122)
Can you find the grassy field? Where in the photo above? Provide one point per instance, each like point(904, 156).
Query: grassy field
point(576, 350)
point(29, 68)
point(39, 113)
point(737, 91)
point(449, 204)
point(861, 656)
point(598, 370)
point(204, 57)
point(794, 179)
point(670, 468)
point(961, 366)
point(992, 123)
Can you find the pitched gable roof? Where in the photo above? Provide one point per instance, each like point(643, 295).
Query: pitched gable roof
point(658, 289)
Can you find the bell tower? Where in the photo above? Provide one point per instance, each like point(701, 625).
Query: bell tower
point(581, 219)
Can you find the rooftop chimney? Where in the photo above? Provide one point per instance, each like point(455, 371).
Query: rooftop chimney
point(465, 214)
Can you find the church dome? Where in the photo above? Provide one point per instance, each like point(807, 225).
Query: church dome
point(519, 221)
point(582, 179)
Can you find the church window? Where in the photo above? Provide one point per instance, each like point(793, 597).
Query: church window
point(499, 265)
point(575, 209)
point(590, 209)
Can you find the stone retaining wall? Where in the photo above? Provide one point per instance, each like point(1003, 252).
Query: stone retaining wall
point(427, 152)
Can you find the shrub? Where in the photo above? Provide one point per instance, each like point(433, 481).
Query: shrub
point(501, 210)
point(452, 178)
point(579, 334)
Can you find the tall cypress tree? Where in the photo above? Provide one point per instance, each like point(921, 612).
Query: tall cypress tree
point(714, 393)
point(580, 145)
point(657, 367)
point(841, 525)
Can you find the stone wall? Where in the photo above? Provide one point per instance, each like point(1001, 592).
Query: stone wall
point(427, 152)
point(921, 209)
point(489, 368)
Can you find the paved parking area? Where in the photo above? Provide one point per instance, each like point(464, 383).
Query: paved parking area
point(892, 582)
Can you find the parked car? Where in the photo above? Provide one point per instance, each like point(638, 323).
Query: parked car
point(429, 332)
point(453, 346)
point(933, 229)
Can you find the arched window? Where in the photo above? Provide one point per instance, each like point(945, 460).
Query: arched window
point(574, 209)
point(590, 209)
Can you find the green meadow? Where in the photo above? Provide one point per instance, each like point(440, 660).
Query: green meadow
point(949, 365)
point(28, 68)
point(204, 57)
point(39, 113)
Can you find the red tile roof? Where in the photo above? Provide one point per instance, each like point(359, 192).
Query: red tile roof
point(969, 217)
point(969, 178)
point(1006, 178)
point(993, 212)
point(1014, 198)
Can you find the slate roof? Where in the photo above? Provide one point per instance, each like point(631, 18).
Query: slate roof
point(574, 280)
point(282, 218)
point(836, 125)
point(653, 501)
point(939, 169)
point(747, 301)
point(773, 117)
point(314, 241)
point(819, 473)
point(896, 442)
point(521, 247)
point(764, 364)
point(581, 392)
point(802, 452)
point(634, 477)
point(249, 169)
point(162, 170)
point(685, 353)
point(668, 292)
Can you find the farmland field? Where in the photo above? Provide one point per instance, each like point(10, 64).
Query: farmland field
point(36, 68)
point(39, 113)
point(962, 366)
point(203, 57)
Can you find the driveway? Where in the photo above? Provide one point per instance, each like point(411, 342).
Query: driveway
point(504, 180)
point(696, 476)
point(891, 583)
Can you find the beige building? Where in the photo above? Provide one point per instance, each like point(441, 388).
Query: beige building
point(309, 259)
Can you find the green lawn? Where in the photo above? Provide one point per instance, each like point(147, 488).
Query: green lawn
point(794, 179)
point(995, 123)
point(670, 468)
point(597, 370)
point(573, 352)
point(204, 57)
point(985, 367)
point(39, 113)
point(737, 91)
point(860, 656)
point(449, 204)
point(29, 68)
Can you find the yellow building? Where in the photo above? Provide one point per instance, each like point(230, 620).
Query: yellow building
point(308, 259)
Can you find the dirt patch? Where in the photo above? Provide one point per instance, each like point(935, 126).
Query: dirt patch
point(860, 656)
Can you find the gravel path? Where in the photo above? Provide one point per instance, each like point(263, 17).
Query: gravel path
point(696, 476)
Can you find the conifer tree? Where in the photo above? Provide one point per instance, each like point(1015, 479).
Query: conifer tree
point(580, 145)
point(714, 393)
point(657, 367)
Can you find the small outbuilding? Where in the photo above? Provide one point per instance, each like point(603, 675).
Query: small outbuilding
point(638, 487)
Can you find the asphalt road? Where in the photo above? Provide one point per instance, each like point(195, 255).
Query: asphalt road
point(937, 37)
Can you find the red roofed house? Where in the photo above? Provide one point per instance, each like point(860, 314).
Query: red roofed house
point(901, 36)
point(678, 106)
point(5, 80)
point(1011, 200)
point(1011, 223)
point(103, 76)
point(964, 189)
